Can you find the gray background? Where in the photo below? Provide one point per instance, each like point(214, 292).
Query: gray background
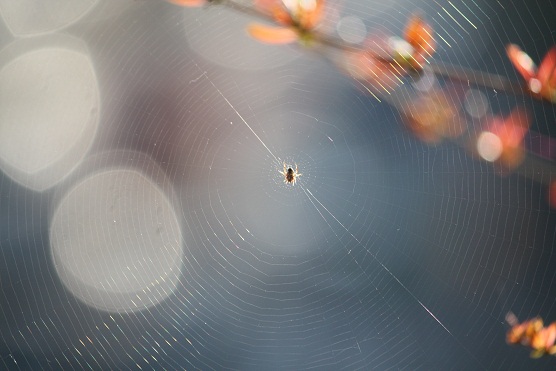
point(388, 254)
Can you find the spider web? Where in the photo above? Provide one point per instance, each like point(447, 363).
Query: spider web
point(388, 253)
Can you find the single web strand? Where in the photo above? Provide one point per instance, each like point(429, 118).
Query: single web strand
point(241, 117)
point(308, 192)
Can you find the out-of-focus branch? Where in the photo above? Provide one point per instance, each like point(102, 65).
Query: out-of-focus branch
point(478, 78)
point(316, 36)
point(447, 71)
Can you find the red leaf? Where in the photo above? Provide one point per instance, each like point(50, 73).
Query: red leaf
point(272, 35)
point(522, 62)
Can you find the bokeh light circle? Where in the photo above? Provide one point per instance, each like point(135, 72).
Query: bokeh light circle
point(49, 111)
point(32, 18)
point(116, 240)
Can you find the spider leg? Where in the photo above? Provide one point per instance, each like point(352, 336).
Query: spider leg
point(283, 172)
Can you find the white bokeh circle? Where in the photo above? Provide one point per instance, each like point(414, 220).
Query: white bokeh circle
point(49, 110)
point(116, 238)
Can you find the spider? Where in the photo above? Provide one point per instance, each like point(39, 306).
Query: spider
point(290, 176)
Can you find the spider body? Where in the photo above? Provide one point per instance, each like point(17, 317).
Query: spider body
point(290, 175)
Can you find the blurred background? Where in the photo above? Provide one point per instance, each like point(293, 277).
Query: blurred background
point(145, 222)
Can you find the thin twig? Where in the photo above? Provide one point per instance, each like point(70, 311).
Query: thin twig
point(244, 9)
point(479, 78)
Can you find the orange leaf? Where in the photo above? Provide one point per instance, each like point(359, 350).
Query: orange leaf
point(419, 35)
point(296, 13)
point(547, 76)
point(552, 195)
point(521, 61)
point(515, 127)
point(272, 35)
point(543, 340)
point(310, 17)
point(547, 69)
point(276, 9)
point(510, 132)
point(188, 3)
